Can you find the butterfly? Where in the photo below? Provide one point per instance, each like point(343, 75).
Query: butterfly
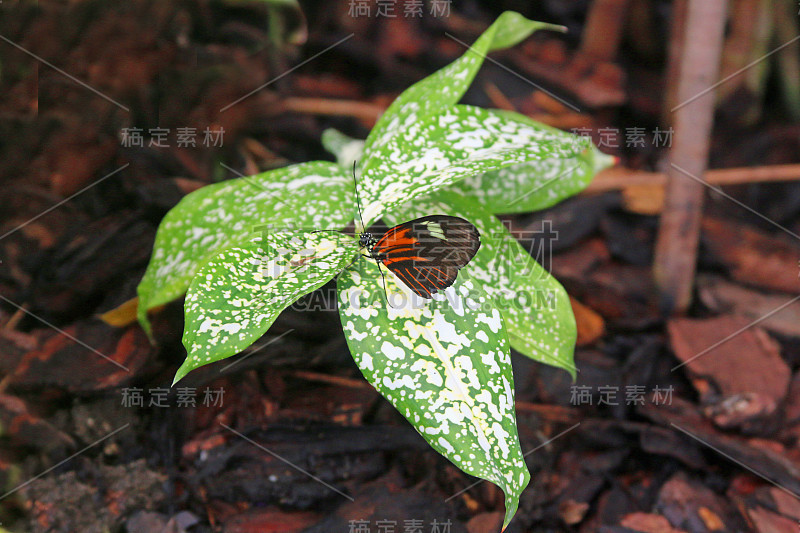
point(426, 253)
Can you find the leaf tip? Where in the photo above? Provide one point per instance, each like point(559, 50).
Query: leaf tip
point(603, 161)
point(179, 375)
point(574, 375)
point(144, 321)
point(511, 510)
point(512, 500)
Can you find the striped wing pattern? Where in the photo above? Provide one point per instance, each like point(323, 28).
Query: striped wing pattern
point(427, 253)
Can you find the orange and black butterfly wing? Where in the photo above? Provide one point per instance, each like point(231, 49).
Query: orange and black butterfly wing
point(425, 280)
point(427, 253)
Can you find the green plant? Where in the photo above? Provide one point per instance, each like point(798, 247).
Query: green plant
point(444, 365)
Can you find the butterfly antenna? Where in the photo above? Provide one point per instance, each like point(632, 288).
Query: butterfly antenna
point(358, 198)
point(364, 228)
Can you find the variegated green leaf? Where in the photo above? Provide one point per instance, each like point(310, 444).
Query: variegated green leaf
point(537, 184)
point(536, 308)
point(444, 88)
point(445, 365)
point(345, 148)
point(521, 188)
point(309, 195)
point(238, 294)
point(440, 149)
point(534, 185)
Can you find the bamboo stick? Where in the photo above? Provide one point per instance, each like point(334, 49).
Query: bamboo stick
point(679, 231)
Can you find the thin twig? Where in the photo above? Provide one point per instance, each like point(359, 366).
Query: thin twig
point(619, 178)
point(326, 106)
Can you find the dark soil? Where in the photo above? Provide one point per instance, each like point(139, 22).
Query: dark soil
point(86, 445)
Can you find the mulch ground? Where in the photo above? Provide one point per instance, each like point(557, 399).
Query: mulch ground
point(674, 424)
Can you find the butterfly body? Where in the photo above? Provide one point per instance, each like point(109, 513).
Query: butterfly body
point(426, 253)
point(366, 240)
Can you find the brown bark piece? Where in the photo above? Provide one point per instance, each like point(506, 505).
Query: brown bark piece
point(778, 314)
point(106, 357)
point(485, 522)
point(768, 522)
point(621, 294)
point(690, 505)
point(766, 460)
point(754, 257)
point(749, 376)
point(572, 512)
point(271, 520)
point(591, 325)
point(19, 424)
point(648, 523)
point(778, 500)
point(786, 503)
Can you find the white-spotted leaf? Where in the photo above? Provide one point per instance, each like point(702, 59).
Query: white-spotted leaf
point(534, 185)
point(440, 149)
point(537, 312)
point(537, 184)
point(444, 364)
point(346, 149)
point(521, 188)
point(238, 294)
point(305, 196)
point(445, 87)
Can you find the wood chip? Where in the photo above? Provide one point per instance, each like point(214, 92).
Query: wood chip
point(114, 358)
point(768, 522)
point(648, 523)
point(754, 257)
point(746, 370)
point(685, 502)
point(485, 522)
point(768, 458)
point(572, 512)
point(591, 325)
point(723, 296)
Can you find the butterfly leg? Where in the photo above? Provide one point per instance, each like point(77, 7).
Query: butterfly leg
point(378, 258)
point(385, 293)
point(336, 277)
